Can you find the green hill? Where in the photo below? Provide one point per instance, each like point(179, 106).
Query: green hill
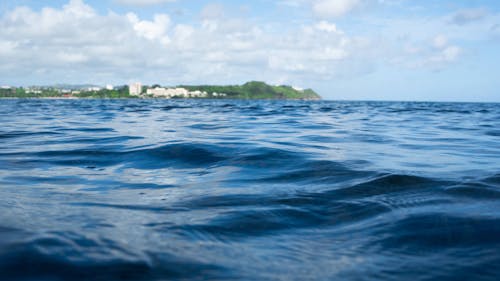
point(250, 90)
point(255, 90)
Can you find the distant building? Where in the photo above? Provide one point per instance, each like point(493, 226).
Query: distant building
point(32, 91)
point(174, 92)
point(198, 94)
point(168, 93)
point(109, 87)
point(135, 89)
point(93, 89)
point(215, 94)
point(5, 87)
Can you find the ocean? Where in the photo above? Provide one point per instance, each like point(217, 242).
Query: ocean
point(249, 190)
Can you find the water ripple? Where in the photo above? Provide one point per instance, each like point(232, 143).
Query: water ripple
point(248, 190)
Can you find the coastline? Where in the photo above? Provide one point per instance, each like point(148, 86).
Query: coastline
point(148, 98)
point(254, 90)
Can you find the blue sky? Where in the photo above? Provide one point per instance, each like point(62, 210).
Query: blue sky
point(344, 49)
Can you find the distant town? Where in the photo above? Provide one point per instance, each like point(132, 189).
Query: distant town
point(136, 89)
point(250, 90)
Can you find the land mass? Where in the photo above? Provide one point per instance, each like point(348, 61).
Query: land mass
point(250, 90)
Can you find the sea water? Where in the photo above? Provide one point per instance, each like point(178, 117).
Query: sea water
point(249, 190)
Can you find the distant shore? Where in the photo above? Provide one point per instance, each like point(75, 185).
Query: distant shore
point(144, 98)
point(248, 91)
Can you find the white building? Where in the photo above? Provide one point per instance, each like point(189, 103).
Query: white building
point(135, 89)
point(32, 91)
point(93, 89)
point(109, 87)
point(174, 92)
point(215, 94)
point(198, 94)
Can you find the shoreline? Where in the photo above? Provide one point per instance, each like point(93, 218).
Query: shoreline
point(134, 98)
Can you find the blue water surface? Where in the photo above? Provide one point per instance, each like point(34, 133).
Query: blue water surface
point(249, 190)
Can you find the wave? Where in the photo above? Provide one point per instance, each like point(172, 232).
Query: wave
point(430, 232)
point(248, 190)
point(70, 256)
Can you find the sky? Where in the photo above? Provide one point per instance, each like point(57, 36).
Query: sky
point(447, 50)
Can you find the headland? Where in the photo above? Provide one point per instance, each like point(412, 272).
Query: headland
point(249, 90)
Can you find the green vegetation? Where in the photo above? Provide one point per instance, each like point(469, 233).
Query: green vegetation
point(255, 90)
point(121, 93)
point(56, 93)
point(22, 93)
point(250, 90)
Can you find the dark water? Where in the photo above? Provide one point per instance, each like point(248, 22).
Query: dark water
point(252, 190)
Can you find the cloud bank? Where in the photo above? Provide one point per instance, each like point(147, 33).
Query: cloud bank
point(142, 2)
point(75, 42)
point(78, 43)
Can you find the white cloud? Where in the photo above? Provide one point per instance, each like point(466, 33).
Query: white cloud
point(440, 42)
point(333, 8)
point(182, 33)
point(328, 27)
point(212, 11)
point(435, 55)
point(152, 30)
point(75, 43)
point(495, 30)
point(325, 8)
point(72, 57)
point(79, 9)
point(449, 54)
point(444, 52)
point(291, 3)
point(466, 16)
point(143, 2)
